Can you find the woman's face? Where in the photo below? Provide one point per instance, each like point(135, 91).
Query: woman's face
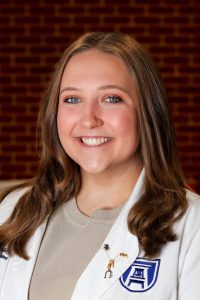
point(97, 113)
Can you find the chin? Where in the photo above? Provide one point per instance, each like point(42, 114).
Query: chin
point(93, 170)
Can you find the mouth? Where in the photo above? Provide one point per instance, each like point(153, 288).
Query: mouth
point(94, 141)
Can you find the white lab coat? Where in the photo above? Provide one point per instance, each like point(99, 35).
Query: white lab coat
point(174, 275)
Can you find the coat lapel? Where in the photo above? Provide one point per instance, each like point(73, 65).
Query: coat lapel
point(19, 271)
point(92, 284)
point(15, 272)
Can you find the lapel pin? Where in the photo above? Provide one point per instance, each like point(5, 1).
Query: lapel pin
point(111, 262)
point(106, 247)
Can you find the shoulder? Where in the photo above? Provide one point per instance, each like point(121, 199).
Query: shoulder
point(192, 196)
point(189, 225)
point(193, 205)
point(9, 202)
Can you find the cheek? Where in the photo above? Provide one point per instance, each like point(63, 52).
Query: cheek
point(65, 121)
point(125, 122)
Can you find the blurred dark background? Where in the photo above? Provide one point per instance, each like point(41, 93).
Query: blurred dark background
point(33, 35)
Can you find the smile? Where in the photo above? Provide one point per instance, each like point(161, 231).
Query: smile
point(91, 141)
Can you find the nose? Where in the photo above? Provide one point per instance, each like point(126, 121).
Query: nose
point(91, 116)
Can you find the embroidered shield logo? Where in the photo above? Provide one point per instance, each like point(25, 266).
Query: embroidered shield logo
point(141, 275)
point(4, 254)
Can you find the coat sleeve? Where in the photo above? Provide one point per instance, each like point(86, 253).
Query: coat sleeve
point(189, 281)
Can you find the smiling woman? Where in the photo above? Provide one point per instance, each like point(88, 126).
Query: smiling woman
point(97, 116)
point(108, 215)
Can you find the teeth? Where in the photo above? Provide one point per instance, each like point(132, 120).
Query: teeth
point(95, 141)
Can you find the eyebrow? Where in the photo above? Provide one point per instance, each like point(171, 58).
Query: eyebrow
point(112, 86)
point(101, 88)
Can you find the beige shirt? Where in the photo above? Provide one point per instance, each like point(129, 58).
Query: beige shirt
point(70, 241)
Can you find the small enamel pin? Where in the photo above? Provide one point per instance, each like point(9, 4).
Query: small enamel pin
point(111, 262)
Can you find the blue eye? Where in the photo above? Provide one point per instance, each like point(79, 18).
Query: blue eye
point(113, 99)
point(72, 100)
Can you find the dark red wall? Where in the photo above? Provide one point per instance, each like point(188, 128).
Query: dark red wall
point(33, 35)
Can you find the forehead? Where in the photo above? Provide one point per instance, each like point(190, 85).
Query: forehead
point(96, 65)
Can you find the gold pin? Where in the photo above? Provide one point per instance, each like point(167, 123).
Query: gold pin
point(111, 262)
point(110, 265)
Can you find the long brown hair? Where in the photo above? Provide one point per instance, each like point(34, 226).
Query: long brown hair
point(163, 200)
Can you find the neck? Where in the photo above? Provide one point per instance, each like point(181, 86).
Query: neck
point(107, 191)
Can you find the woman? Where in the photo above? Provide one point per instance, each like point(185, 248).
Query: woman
point(108, 215)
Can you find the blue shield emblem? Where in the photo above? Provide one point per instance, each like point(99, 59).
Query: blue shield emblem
point(4, 254)
point(141, 275)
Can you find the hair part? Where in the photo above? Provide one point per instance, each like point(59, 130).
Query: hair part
point(163, 201)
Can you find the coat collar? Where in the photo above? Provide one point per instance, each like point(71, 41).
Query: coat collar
point(92, 283)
